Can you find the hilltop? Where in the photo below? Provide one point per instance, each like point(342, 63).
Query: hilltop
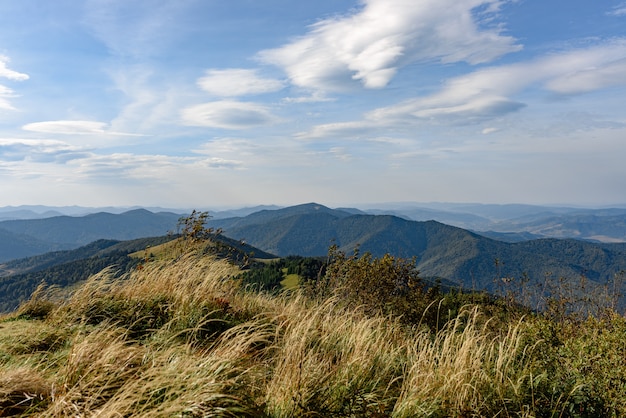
point(182, 336)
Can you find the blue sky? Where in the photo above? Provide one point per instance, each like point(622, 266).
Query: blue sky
point(211, 103)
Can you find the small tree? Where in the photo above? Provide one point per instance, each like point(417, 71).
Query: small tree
point(193, 227)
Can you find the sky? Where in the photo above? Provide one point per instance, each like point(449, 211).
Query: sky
point(212, 103)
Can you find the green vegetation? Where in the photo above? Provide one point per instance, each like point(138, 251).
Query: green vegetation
point(283, 273)
point(186, 334)
point(291, 281)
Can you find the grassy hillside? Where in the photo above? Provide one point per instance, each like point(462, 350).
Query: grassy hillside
point(182, 337)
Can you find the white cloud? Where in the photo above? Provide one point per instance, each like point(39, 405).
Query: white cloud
point(39, 150)
point(237, 82)
point(228, 114)
point(340, 153)
point(5, 92)
point(371, 44)
point(619, 10)
point(488, 131)
point(590, 79)
point(136, 29)
point(347, 130)
point(73, 127)
point(315, 97)
point(10, 74)
point(147, 167)
point(488, 93)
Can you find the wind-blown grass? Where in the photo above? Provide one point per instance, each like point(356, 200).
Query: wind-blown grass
point(182, 338)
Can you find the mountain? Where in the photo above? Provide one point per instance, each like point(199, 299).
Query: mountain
point(27, 237)
point(8, 215)
point(16, 245)
point(440, 250)
point(603, 226)
point(519, 222)
point(42, 211)
point(234, 213)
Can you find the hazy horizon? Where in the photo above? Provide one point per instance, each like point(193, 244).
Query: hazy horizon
point(362, 206)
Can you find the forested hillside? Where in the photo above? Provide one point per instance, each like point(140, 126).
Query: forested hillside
point(471, 260)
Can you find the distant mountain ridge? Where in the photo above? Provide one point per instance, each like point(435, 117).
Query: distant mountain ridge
point(508, 222)
point(523, 222)
point(440, 250)
point(28, 237)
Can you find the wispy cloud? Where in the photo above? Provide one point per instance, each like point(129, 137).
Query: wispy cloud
point(39, 150)
point(488, 131)
point(584, 80)
point(228, 114)
point(136, 29)
point(5, 92)
point(5, 72)
point(315, 97)
point(371, 44)
point(237, 82)
point(149, 167)
point(348, 130)
point(619, 10)
point(490, 92)
point(73, 127)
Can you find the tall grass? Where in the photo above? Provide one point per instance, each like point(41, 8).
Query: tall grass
point(182, 338)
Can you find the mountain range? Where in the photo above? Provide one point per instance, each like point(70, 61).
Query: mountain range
point(27, 237)
point(509, 222)
point(457, 255)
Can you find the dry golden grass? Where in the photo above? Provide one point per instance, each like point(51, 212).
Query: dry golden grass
point(180, 338)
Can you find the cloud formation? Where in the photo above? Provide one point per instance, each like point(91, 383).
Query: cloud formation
point(137, 29)
point(370, 45)
point(489, 92)
point(237, 82)
point(619, 10)
point(5, 92)
point(492, 92)
point(8, 73)
point(39, 150)
point(228, 114)
point(73, 127)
